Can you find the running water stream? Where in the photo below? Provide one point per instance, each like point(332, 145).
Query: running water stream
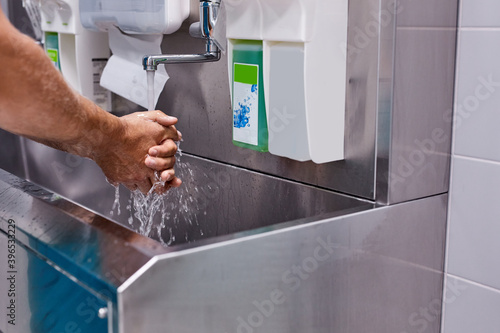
point(151, 90)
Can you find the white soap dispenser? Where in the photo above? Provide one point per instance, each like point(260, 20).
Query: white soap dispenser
point(305, 69)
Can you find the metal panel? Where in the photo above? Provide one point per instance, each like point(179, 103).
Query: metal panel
point(366, 272)
point(80, 242)
point(45, 298)
point(428, 13)
point(422, 142)
point(423, 99)
point(387, 19)
point(11, 154)
point(215, 199)
point(96, 253)
point(199, 96)
point(416, 162)
point(67, 248)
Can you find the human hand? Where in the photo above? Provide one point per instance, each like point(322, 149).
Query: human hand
point(145, 143)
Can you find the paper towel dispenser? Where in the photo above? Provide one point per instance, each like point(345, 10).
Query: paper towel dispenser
point(135, 28)
point(135, 17)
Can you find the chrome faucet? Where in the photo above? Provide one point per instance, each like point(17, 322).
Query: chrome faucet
point(209, 12)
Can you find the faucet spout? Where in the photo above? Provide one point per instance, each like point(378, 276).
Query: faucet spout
point(209, 11)
point(151, 62)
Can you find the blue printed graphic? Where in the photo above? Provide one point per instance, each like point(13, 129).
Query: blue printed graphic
point(241, 114)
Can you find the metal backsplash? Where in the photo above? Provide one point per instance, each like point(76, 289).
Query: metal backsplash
point(399, 85)
point(199, 96)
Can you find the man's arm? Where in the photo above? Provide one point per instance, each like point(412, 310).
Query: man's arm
point(36, 102)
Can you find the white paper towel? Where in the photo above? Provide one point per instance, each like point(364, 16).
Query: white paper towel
point(124, 74)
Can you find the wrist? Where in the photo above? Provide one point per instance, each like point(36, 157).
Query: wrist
point(99, 128)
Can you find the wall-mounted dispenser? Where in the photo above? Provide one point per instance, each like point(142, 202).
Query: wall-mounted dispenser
point(304, 72)
point(135, 28)
point(80, 54)
point(135, 17)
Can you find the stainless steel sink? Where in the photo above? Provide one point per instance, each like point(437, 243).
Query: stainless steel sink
point(245, 250)
point(215, 199)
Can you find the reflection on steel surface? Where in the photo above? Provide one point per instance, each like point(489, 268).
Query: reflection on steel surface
point(215, 199)
point(368, 270)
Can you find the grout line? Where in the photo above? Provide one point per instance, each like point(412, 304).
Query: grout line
point(490, 29)
point(477, 159)
point(428, 28)
point(474, 283)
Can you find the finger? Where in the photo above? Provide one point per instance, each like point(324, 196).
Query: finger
point(160, 164)
point(176, 182)
point(162, 118)
point(159, 117)
point(168, 148)
point(167, 175)
point(171, 132)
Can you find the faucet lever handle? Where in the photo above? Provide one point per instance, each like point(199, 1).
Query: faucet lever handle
point(212, 24)
point(195, 30)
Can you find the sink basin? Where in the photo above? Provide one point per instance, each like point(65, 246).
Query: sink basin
point(215, 199)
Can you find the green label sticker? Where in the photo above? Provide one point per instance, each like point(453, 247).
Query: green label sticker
point(53, 55)
point(248, 74)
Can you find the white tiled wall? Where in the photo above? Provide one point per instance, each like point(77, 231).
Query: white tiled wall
point(472, 293)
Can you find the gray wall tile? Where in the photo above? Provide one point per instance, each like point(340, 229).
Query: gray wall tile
point(470, 308)
point(480, 13)
point(477, 114)
point(474, 227)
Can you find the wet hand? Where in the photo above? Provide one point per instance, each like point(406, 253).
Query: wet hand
point(161, 158)
point(144, 145)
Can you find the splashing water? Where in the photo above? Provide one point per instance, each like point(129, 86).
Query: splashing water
point(116, 203)
point(175, 212)
point(146, 206)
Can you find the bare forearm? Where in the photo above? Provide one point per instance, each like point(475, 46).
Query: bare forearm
point(36, 102)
